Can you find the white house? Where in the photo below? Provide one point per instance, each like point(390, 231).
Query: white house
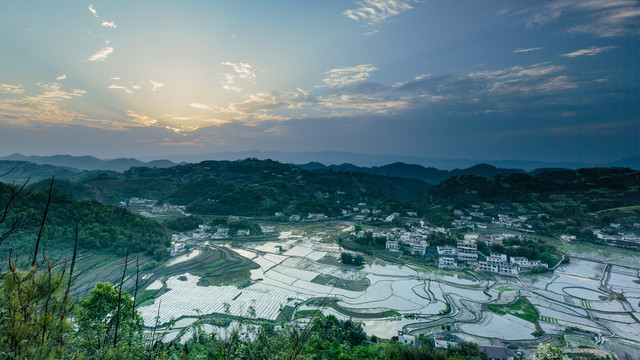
point(244, 232)
point(446, 262)
point(392, 246)
point(419, 247)
point(498, 267)
point(406, 339)
point(525, 263)
point(177, 247)
point(446, 251)
point(467, 250)
point(496, 257)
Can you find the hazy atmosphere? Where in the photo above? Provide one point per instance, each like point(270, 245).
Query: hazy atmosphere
point(531, 80)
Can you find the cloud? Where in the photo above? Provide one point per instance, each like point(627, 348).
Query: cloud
point(140, 119)
point(340, 77)
point(109, 24)
point(526, 50)
point(93, 11)
point(241, 70)
point(603, 18)
point(244, 70)
point(11, 89)
point(101, 55)
point(367, 103)
point(377, 11)
point(61, 77)
point(591, 51)
point(126, 89)
point(46, 107)
point(272, 100)
point(155, 85)
point(200, 106)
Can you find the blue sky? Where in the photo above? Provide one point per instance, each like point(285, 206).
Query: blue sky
point(534, 80)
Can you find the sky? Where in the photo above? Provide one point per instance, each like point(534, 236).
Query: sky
point(475, 79)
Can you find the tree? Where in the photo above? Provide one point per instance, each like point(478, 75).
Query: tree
point(548, 352)
point(97, 317)
point(34, 313)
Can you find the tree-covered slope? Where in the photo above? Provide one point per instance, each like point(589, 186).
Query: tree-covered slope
point(101, 226)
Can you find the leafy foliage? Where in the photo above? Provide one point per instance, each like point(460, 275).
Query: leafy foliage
point(34, 313)
point(349, 259)
point(185, 223)
point(100, 314)
point(102, 226)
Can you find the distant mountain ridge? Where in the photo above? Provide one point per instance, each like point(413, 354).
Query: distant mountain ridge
point(372, 160)
point(88, 162)
point(429, 175)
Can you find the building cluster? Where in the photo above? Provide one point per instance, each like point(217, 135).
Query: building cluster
point(149, 208)
point(612, 236)
point(415, 239)
point(466, 251)
point(476, 218)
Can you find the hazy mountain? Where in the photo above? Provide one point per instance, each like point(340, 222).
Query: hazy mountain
point(371, 160)
point(20, 171)
point(88, 162)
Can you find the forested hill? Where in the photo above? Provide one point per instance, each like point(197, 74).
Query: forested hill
point(258, 187)
point(248, 187)
point(101, 226)
point(430, 175)
point(571, 191)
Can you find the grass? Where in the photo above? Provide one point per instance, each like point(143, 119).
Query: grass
point(502, 288)
point(549, 319)
point(577, 340)
point(522, 308)
point(305, 314)
point(286, 314)
point(231, 275)
point(446, 310)
point(146, 297)
point(421, 268)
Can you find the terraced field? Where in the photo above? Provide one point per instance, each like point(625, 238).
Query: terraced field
point(295, 273)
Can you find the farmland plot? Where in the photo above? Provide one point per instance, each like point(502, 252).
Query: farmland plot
point(506, 327)
point(185, 298)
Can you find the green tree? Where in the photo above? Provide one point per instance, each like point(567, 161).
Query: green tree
point(34, 313)
point(97, 318)
point(548, 352)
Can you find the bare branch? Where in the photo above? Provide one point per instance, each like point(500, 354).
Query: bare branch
point(115, 336)
point(44, 218)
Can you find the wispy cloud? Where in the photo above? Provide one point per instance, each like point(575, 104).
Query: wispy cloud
point(272, 100)
point(196, 105)
point(101, 55)
point(47, 107)
point(604, 18)
point(377, 11)
point(93, 11)
point(11, 89)
point(519, 50)
point(155, 85)
point(109, 24)
point(591, 51)
point(140, 119)
point(240, 71)
point(61, 77)
point(344, 76)
point(118, 87)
